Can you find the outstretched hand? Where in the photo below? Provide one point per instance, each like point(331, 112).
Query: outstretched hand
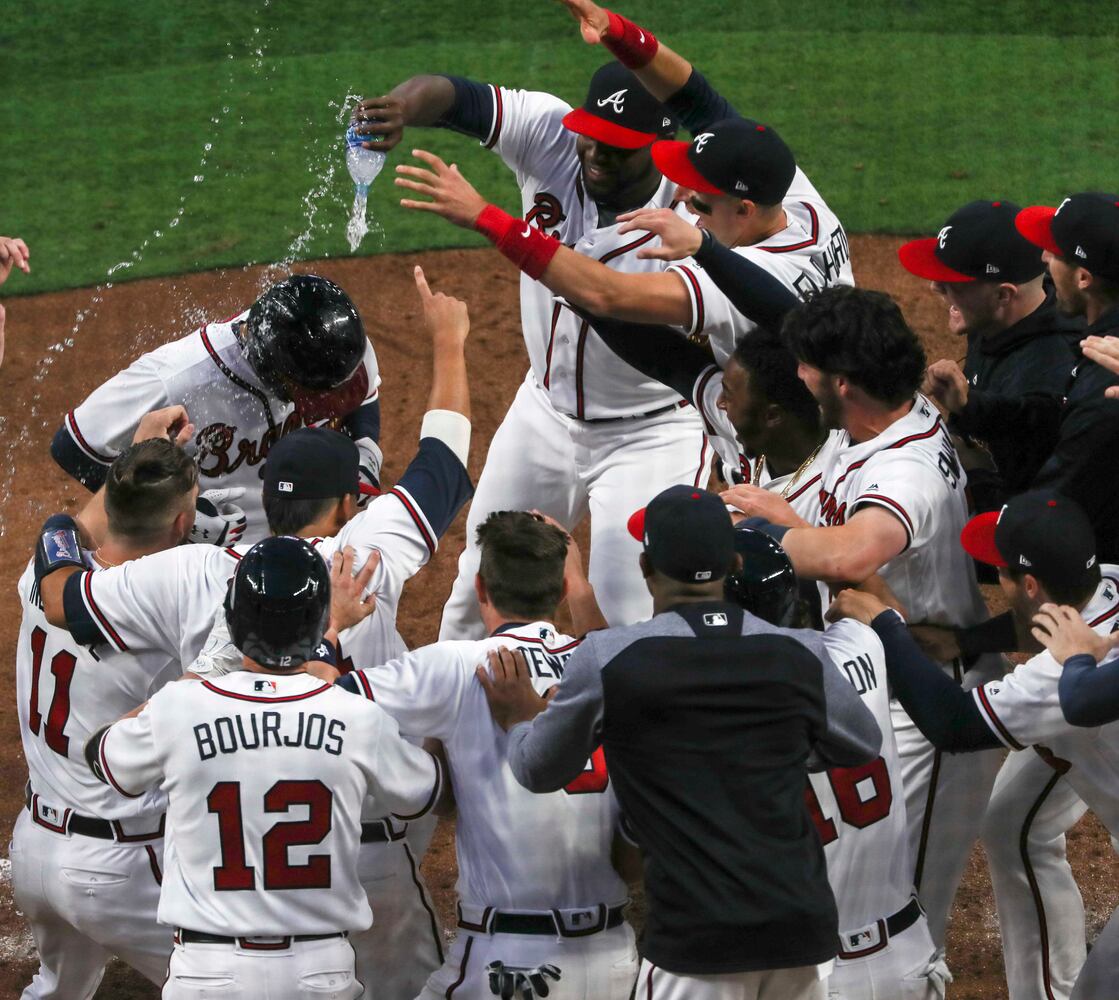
point(381, 120)
point(13, 253)
point(443, 314)
point(508, 686)
point(593, 19)
point(452, 195)
point(679, 238)
point(349, 602)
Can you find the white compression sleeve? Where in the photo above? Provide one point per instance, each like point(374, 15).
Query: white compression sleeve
point(451, 427)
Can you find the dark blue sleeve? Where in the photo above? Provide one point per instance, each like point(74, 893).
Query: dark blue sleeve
point(473, 110)
point(79, 622)
point(752, 290)
point(697, 105)
point(349, 682)
point(944, 712)
point(76, 462)
point(1089, 694)
point(365, 422)
point(995, 635)
point(438, 483)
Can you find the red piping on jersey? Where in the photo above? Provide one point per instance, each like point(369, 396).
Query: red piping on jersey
point(811, 482)
point(267, 701)
point(498, 115)
point(364, 682)
point(992, 715)
point(438, 787)
point(702, 462)
point(409, 505)
point(530, 638)
point(551, 341)
point(107, 772)
point(649, 982)
point(697, 295)
point(76, 434)
point(462, 971)
point(700, 393)
point(804, 243)
point(1107, 614)
point(897, 444)
point(235, 378)
point(231, 552)
point(106, 626)
point(893, 504)
point(1031, 878)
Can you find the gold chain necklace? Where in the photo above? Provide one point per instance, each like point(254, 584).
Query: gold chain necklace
point(756, 478)
point(103, 561)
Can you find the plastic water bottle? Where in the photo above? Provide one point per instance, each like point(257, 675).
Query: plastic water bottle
point(364, 166)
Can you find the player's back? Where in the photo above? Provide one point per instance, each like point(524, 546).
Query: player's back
point(65, 692)
point(516, 850)
point(860, 811)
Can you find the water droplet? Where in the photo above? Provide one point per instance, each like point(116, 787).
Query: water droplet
point(208, 146)
point(199, 178)
point(225, 110)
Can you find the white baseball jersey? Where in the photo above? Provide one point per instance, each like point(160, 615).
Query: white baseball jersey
point(911, 470)
point(810, 253)
point(265, 776)
point(1024, 708)
point(581, 375)
point(237, 419)
point(860, 811)
point(65, 693)
point(516, 850)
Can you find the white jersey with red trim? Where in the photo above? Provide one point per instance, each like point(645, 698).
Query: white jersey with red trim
point(810, 253)
point(581, 375)
point(911, 470)
point(65, 692)
point(236, 418)
point(860, 811)
point(516, 850)
point(265, 776)
point(1023, 709)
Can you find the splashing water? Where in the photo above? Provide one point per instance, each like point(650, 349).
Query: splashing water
point(357, 227)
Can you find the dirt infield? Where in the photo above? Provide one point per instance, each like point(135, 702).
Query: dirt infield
point(40, 381)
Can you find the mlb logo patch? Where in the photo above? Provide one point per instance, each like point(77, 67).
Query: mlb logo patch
point(285, 487)
point(266, 686)
point(715, 619)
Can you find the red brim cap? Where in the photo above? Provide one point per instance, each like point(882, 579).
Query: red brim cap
point(582, 122)
point(1036, 224)
point(671, 158)
point(919, 257)
point(978, 538)
point(636, 525)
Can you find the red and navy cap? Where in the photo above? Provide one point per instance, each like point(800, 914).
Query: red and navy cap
point(737, 156)
point(1040, 533)
point(687, 534)
point(1083, 230)
point(620, 112)
point(980, 242)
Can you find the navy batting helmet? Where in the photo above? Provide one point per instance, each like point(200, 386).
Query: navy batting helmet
point(278, 605)
point(304, 333)
point(765, 584)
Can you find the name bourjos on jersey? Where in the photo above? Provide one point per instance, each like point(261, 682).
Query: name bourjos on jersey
point(582, 376)
point(237, 419)
point(516, 849)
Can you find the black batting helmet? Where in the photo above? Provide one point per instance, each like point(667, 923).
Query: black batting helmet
point(765, 584)
point(304, 333)
point(278, 605)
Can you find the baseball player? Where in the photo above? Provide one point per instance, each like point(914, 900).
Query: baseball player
point(884, 945)
point(266, 771)
point(299, 355)
point(539, 901)
point(1045, 549)
point(86, 860)
point(605, 437)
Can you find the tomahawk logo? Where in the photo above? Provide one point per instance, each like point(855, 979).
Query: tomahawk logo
point(942, 237)
point(1062, 205)
point(702, 139)
point(616, 100)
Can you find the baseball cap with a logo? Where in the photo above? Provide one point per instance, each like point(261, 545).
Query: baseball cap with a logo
point(312, 463)
point(1040, 533)
point(737, 156)
point(687, 534)
point(979, 242)
point(1083, 230)
point(620, 112)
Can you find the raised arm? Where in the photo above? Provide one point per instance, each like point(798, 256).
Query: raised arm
point(424, 100)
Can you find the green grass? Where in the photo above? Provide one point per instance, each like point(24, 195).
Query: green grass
point(899, 110)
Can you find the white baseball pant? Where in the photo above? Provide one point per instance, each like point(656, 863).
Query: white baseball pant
point(86, 900)
point(323, 970)
point(1041, 913)
point(1097, 978)
point(540, 459)
point(806, 982)
point(908, 968)
point(601, 966)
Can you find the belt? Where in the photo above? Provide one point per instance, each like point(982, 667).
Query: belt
point(379, 832)
point(874, 937)
point(634, 416)
point(84, 826)
point(253, 942)
point(552, 923)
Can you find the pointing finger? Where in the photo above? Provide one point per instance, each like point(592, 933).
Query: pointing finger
point(421, 281)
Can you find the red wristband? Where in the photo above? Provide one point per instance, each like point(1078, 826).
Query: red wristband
point(525, 245)
point(632, 46)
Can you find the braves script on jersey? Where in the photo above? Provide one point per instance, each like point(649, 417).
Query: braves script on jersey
point(265, 776)
point(236, 418)
point(810, 253)
point(516, 850)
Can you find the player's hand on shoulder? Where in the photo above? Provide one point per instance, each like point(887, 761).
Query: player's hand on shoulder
point(1062, 631)
point(946, 383)
point(217, 518)
point(937, 642)
point(170, 423)
point(13, 253)
point(753, 501)
point(444, 315)
point(856, 604)
point(593, 19)
point(452, 195)
point(349, 602)
point(508, 686)
point(1104, 351)
point(678, 237)
point(381, 120)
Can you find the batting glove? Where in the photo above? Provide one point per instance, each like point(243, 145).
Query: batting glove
point(218, 520)
point(369, 469)
point(506, 980)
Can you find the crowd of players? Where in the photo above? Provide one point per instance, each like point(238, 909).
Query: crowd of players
point(800, 829)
